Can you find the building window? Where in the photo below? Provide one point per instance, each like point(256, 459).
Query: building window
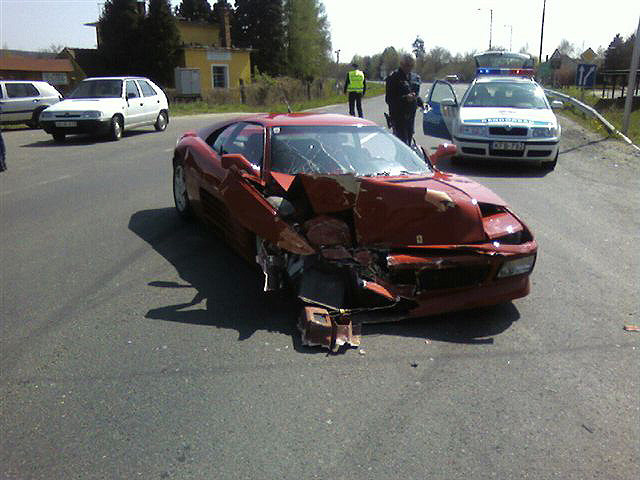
point(220, 76)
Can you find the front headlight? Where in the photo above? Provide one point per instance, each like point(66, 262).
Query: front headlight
point(475, 130)
point(517, 266)
point(544, 132)
point(91, 114)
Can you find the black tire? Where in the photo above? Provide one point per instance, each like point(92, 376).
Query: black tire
point(161, 122)
point(35, 118)
point(115, 133)
point(58, 137)
point(550, 166)
point(180, 194)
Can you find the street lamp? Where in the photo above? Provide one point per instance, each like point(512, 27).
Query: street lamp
point(490, 24)
point(544, 5)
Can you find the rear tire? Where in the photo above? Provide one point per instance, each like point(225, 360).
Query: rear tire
point(35, 118)
point(58, 137)
point(115, 133)
point(162, 121)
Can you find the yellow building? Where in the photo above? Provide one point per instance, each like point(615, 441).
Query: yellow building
point(208, 61)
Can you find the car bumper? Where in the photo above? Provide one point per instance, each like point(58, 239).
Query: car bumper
point(81, 126)
point(534, 150)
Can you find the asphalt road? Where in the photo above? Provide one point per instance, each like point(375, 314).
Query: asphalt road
point(136, 346)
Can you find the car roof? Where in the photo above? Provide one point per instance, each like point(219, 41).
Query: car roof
point(116, 78)
point(503, 79)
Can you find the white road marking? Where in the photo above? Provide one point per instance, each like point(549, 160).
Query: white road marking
point(39, 184)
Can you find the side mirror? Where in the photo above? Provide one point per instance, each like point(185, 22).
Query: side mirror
point(237, 160)
point(557, 105)
point(444, 150)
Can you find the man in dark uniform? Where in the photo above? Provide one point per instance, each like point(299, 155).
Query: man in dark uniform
point(402, 99)
point(356, 85)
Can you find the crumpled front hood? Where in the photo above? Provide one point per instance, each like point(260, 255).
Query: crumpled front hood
point(508, 116)
point(85, 104)
point(396, 212)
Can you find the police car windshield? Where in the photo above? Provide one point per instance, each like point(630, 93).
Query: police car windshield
point(108, 88)
point(362, 151)
point(505, 95)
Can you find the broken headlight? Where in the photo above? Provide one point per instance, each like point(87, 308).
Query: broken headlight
point(517, 266)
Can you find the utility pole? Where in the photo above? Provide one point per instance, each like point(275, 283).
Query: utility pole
point(490, 23)
point(510, 35)
point(337, 52)
point(544, 5)
point(632, 81)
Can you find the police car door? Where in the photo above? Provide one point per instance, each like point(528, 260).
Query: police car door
point(437, 120)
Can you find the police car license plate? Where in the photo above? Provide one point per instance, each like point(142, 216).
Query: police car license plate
point(66, 124)
point(508, 146)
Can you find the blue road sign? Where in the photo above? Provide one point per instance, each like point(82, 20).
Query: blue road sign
point(586, 75)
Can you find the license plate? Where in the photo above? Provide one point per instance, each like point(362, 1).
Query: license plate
point(508, 146)
point(66, 124)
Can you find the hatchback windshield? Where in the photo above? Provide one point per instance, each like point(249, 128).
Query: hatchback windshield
point(363, 151)
point(502, 94)
point(98, 89)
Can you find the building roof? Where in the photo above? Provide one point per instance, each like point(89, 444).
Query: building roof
point(22, 63)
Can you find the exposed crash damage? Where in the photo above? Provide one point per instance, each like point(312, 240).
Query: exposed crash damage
point(359, 226)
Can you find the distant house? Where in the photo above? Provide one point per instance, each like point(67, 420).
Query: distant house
point(26, 65)
point(207, 61)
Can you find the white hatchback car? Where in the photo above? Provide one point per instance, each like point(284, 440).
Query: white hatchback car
point(108, 106)
point(21, 101)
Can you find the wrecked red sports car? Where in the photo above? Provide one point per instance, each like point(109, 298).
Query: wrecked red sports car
point(360, 226)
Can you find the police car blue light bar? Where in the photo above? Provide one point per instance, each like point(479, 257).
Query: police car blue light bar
point(522, 72)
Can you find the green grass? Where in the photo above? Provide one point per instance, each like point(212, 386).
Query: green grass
point(193, 108)
point(613, 115)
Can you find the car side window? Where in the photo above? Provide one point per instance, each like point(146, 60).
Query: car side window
point(132, 90)
point(221, 138)
point(440, 92)
point(147, 90)
point(21, 90)
point(247, 140)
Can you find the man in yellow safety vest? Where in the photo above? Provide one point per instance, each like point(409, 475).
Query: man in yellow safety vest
point(356, 85)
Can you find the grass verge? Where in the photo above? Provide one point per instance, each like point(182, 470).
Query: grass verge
point(612, 114)
point(193, 108)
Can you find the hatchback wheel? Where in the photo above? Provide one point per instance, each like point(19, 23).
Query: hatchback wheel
point(116, 128)
point(161, 122)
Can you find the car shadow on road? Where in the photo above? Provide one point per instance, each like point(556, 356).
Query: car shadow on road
point(227, 292)
point(84, 139)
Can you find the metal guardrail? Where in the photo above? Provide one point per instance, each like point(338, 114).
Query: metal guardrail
point(590, 111)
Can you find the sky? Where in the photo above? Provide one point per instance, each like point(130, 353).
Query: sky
point(366, 27)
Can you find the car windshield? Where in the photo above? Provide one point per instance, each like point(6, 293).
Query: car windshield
point(98, 89)
point(503, 94)
point(360, 150)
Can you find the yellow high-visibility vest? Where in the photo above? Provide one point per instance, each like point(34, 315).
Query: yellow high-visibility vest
point(356, 81)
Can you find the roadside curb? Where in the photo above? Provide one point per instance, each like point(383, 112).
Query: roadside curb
point(593, 112)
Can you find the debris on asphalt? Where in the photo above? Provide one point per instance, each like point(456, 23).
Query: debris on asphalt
point(427, 341)
point(631, 328)
point(362, 352)
point(414, 365)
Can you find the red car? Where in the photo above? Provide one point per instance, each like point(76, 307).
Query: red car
point(360, 226)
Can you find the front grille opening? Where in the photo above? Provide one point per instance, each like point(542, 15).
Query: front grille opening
point(464, 276)
point(539, 153)
point(511, 132)
point(474, 151)
point(506, 153)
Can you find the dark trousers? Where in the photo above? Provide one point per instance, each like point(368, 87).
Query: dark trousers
point(355, 100)
point(3, 154)
point(403, 128)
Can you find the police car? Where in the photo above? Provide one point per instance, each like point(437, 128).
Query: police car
point(503, 115)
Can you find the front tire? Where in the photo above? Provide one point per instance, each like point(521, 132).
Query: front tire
point(549, 166)
point(116, 128)
point(180, 194)
point(161, 122)
point(58, 137)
